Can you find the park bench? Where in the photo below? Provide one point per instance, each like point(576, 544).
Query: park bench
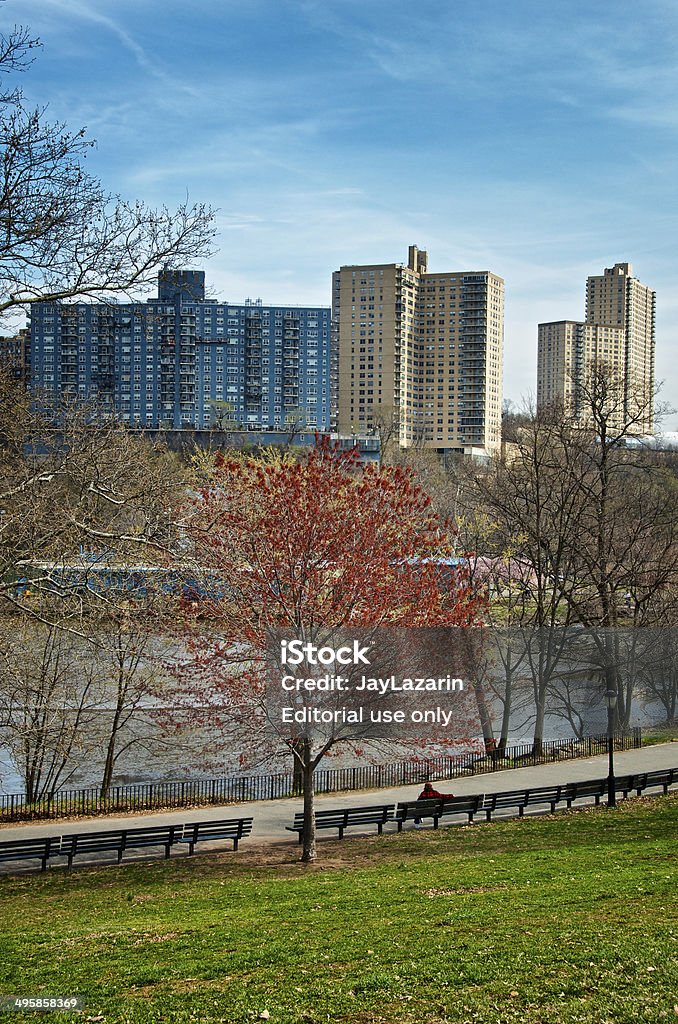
point(663, 777)
point(536, 795)
point(644, 780)
point(120, 840)
point(92, 842)
point(585, 790)
point(165, 836)
point(491, 802)
point(551, 795)
point(151, 835)
point(40, 848)
point(344, 818)
point(520, 798)
point(467, 805)
point(627, 783)
point(46, 848)
point(408, 810)
point(234, 829)
point(623, 784)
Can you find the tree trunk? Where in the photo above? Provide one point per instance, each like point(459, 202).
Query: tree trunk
point(297, 769)
point(541, 681)
point(109, 763)
point(538, 738)
point(485, 717)
point(309, 848)
point(508, 698)
point(107, 776)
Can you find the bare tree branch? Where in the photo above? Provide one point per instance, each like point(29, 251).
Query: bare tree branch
point(62, 234)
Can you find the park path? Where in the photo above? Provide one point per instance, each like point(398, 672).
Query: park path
point(271, 816)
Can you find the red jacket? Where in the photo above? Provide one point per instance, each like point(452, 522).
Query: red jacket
point(429, 793)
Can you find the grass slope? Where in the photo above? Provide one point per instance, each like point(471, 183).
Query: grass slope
point(564, 918)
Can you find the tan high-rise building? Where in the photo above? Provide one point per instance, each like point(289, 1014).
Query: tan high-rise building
point(566, 347)
point(421, 350)
point(618, 333)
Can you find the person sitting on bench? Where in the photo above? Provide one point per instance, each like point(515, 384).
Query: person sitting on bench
point(429, 793)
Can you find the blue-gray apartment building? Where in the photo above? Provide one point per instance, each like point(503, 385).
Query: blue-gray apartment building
point(181, 360)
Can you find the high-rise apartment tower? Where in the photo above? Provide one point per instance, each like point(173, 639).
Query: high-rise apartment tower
point(422, 350)
point(619, 333)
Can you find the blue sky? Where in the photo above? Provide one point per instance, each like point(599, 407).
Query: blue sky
point(537, 140)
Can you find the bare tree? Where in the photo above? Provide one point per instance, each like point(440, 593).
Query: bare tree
point(73, 494)
point(62, 234)
point(386, 426)
point(660, 676)
point(532, 509)
point(129, 655)
point(594, 521)
point(49, 702)
point(626, 535)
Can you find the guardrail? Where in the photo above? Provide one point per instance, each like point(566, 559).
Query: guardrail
point(244, 788)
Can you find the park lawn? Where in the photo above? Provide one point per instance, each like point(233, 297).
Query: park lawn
point(559, 918)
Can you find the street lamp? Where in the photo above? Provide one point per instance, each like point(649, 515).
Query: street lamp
point(611, 696)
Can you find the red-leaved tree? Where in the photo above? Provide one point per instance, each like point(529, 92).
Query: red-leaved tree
point(302, 548)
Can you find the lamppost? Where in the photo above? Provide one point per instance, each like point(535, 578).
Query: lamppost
point(611, 696)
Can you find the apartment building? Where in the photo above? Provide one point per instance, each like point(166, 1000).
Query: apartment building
point(180, 360)
point(15, 355)
point(619, 333)
point(422, 350)
point(566, 347)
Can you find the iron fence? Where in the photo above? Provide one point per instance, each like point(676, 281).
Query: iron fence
point(243, 788)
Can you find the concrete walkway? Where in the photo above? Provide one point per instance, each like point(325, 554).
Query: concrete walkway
point(271, 816)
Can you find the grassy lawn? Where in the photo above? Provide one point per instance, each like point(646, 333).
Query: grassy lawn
point(564, 918)
point(660, 734)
